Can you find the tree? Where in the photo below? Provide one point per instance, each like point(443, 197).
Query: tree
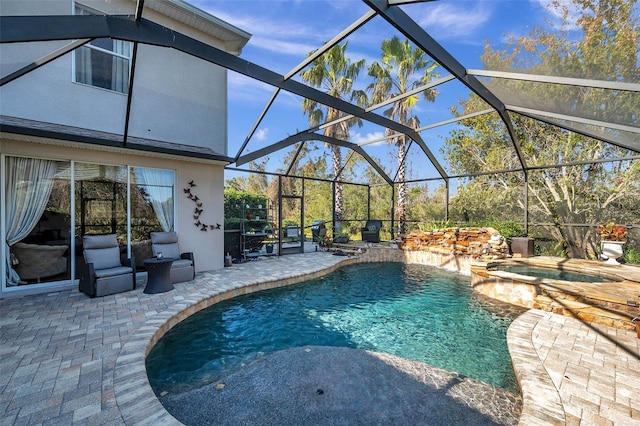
point(255, 183)
point(401, 69)
point(335, 73)
point(605, 48)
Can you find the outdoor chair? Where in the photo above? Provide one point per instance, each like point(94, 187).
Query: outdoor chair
point(103, 272)
point(371, 231)
point(183, 267)
point(35, 261)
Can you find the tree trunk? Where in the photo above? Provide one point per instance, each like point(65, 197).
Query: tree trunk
point(402, 187)
point(337, 161)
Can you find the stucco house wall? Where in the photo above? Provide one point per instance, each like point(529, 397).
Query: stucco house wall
point(177, 99)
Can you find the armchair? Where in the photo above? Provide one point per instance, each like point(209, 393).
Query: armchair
point(39, 261)
point(103, 273)
point(183, 267)
point(371, 231)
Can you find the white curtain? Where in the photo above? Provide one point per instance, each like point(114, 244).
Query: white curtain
point(158, 184)
point(28, 186)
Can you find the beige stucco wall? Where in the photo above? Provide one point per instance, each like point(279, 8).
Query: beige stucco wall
point(176, 98)
point(207, 246)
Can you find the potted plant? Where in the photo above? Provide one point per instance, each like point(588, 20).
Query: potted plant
point(269, 247)
point(614, 236)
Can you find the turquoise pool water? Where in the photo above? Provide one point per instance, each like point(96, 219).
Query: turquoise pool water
point(556, 274)
point(412, 311)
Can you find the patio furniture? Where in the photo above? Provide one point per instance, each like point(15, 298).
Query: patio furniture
point(183, 266)
point(371, 231)
point(103, 272)
point(158, 275)
point(37, 261)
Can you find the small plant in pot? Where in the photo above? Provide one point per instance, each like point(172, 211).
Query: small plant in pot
point(614, 236)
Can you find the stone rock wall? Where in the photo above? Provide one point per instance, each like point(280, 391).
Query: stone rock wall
point(478, 243)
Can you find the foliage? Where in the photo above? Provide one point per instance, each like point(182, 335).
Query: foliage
point(335, 73)
point(438, 224)
point(235, 203)
point(612, 232)
point(508, 228)
point(401, 69)
point(424, 206)
point(603, 44)
point(253, 183)
point(631, 255)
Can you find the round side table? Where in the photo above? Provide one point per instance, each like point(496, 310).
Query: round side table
point(158, 275)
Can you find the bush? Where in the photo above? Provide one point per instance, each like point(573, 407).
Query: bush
point(631, 255)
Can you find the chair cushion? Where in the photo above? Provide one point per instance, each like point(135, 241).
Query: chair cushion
point(169, 251)
point(164, 237)
point(99, 241)
point(181, 263)
point(103, 258)
point(167, 243)
point(102, 251)
point(112, 272)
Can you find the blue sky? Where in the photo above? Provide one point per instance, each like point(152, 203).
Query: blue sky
point(284, 32)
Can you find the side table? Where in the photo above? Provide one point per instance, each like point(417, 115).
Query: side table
point(158, 275)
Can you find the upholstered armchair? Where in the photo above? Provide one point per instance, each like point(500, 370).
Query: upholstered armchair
point(183, 267)
point(37, 261)
point(371, 231)
point(103, 272)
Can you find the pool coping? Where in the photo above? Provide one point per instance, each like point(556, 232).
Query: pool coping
point(541, 402)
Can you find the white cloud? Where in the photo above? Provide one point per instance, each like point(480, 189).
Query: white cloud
point(453, 20)
point(283, 46)
point(261, 134)
point(359, 139)
point(273, 30)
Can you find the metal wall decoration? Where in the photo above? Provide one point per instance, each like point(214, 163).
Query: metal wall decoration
point(199, 209)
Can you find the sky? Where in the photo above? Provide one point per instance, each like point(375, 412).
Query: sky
point(284, 32)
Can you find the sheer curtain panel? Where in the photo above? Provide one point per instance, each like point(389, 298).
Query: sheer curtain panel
point(28, 186)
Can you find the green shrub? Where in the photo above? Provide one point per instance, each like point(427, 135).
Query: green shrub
point(631, 255)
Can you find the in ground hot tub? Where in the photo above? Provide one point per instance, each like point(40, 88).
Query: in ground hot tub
point(555, 274)
point(589, 290)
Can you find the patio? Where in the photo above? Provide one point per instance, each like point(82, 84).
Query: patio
point(69, 359)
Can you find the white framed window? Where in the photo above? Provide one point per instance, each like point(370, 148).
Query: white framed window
point(103, 62)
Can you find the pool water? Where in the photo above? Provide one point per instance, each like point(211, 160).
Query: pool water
point(413, 311)
point(556, 274)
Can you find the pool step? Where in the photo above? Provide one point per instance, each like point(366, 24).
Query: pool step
point(590, 312)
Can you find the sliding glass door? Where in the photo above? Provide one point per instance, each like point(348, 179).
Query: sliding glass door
point(51, 205)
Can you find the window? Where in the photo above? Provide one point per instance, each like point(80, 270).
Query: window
point(104, 62)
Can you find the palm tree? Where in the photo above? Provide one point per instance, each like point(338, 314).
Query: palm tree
point(401, 69)
point(335, 73)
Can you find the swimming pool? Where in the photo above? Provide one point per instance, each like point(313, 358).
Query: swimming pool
point(413, 311)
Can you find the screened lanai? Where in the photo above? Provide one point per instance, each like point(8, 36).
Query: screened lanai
point(417, 113)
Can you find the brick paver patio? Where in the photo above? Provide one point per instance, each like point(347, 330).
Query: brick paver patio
point(69, 359)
